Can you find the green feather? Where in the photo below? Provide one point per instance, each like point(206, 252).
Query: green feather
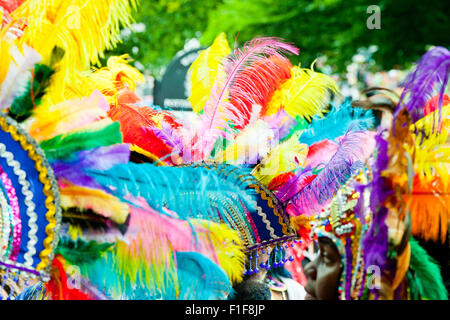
point(81, 252)
point(23, 105)
point(63, 146)
point(427, 273)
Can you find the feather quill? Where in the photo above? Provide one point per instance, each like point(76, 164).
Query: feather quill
point(135, 123)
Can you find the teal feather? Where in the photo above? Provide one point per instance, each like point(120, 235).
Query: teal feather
point(190, 192)
point(337, 122)
point(199, 278)
point(427, 273)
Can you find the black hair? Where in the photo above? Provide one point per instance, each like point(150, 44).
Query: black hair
point(250, 289)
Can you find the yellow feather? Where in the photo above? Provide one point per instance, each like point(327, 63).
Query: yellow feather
point(429, 124)
point(83, 28)
point(5, 58)
point(50, 121)
point(228, 247)
point(108, 80)
point(305, 94)
point(96, 200)
point(285, 157)
point(204, 71)
point(254, 140)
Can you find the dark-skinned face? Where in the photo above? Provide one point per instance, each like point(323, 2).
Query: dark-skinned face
point(323, 273)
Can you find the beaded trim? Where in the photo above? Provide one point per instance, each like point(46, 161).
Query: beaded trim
point(50, 190)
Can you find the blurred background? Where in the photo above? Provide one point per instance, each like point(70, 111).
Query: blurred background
point(168, 34)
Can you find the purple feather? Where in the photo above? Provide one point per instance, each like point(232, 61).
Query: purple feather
point(294, 185)
point(431, 71)
point(344, 164)
point(101, 158)
point(168, 136)
point(375, 242)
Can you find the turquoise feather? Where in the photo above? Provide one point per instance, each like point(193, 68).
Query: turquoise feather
point(337, 122)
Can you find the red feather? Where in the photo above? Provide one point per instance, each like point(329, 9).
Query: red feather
point(259, 81)
point(57, 287)
point(134, 119)
point(280, 180)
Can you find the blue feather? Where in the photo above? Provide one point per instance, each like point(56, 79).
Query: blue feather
point(337, 122)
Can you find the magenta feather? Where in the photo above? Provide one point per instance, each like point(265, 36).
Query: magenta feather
point(218, 111)
point(431, 72)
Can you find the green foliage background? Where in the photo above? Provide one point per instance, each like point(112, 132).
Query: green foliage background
point(334, 28)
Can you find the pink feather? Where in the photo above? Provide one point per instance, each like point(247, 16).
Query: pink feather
point(218, 110)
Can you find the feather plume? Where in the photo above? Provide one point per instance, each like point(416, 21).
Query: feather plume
point(301, 179)
point(185, 190)
point(431, 284)
point(320, 153)
point(81, 251)
point(96, 200)
point(83, 29)
point(145, 265)
point(284, 157)
point(14, 84)
point(134, 125)
point(305, 94)
point(250, 145)
point(200, 278)
point(344, 164)
point(101, 158)
point(255, 84)
point(63, 146)
point(23, 105)
point(50, 121)
point(204, 70)
point(116, 81)
point(337, 122)
point(58, 287)
point(5, 56)
point(218, 110)
point(431, 72)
